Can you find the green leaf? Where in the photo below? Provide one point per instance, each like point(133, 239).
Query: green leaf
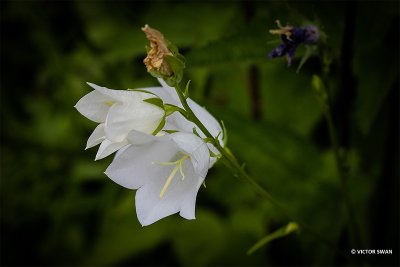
point(281, 232)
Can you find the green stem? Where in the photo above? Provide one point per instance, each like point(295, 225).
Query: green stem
point(232, 163)
point(239, 171)
point(190, 115)
point(354, 237)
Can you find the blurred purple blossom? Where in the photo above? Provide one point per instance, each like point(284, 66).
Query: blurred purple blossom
point(291, 37)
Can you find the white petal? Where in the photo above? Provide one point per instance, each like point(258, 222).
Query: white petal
point(139, 166)
point(93, 106)
point(179, 121)
point(170, 90)
point(179, 196)
point(188, 206)
point(124, 117)
point(134, 167)
point(108, 147)
point(96, 137)
point(121, 150)
point(165, 94)
point(176, 120)
point(214, 150)
point(196, 149)
point(140, 138)
point(207, 119)
point(164, 84)
point(121, 95)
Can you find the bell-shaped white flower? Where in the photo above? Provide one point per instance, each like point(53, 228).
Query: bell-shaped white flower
point(167, 171)
point(177, 122)
point(119, 112)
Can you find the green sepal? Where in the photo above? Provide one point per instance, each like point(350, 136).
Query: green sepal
point(177, 66)
point(195, 132)
point(159, 103)
point(171, 47)
point(186, 92)
point(171, 131)
point(169, 109)
point(156, 74)
point(156, 102)
point(160, 126)
point(142, 91)
point(213, 155)
point(174, 50)
point(216, 138)
point(209, 140)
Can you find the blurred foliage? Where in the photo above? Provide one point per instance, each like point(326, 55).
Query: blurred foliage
point(57, 206)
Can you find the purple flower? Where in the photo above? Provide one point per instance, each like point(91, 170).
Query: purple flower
point(291, 37)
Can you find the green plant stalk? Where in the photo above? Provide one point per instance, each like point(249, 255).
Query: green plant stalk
point(281, 232)
point(354, 237)
point(232, 163)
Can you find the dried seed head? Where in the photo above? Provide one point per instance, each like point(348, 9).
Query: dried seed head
point(155, 60)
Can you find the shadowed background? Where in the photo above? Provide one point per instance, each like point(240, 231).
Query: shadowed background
point(57, 206)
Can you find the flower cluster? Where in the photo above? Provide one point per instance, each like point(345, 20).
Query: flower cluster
point(292, 37)
point(160, 153)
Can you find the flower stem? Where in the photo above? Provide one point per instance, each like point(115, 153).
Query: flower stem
point(343, 175)
point(232, 163)
point(190, 115)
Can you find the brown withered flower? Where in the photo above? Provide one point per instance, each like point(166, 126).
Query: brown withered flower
point(155, 60)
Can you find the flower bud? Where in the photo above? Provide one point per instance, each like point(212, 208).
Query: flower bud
point(155, 60)
point(163, 59)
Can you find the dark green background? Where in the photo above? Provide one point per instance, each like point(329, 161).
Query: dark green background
point(57, 206)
